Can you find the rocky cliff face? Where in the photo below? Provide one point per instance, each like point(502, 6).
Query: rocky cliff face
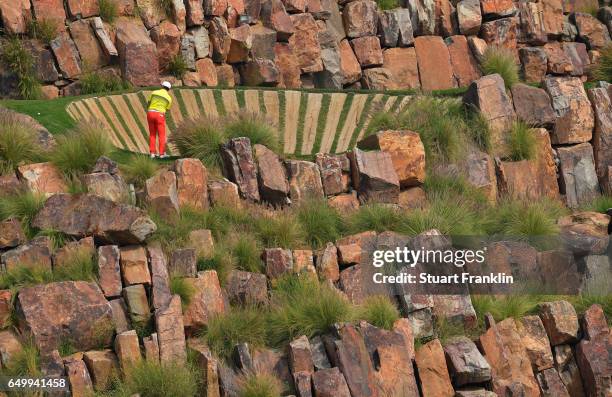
point(319, 43)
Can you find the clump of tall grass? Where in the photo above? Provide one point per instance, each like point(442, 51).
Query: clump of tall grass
point(320, 222)
point(254, 127)
point(153, 379)
point(600, 204)
point(138, 169)
point(44, 30)
point(500, 60)
point(280, 229)
point(16, 57)
point(80, 266)
point(522, 219)
point(177, 66)
point(246, 250)
point(603, 68)
point(77, 151)
point(259, 385)
point(522, 142)
point(181, 287)
point(18, 143)
point(379, 311)
point(23, 206)
point(101, 83)
point(109, 10)
point(173, 233)
point(238, 325)
point(301, 305)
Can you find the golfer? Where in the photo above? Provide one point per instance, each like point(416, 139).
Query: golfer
point(159, 103)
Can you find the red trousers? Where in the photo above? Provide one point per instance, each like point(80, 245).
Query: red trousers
point(157, 127)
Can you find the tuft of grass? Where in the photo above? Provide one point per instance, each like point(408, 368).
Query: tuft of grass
point(379, 311)
point(102, 83)
point(201, 139)
point(78, 150)
point(18, 143)
point(25, 363)
point(246, 250)
point(497, 59)
point(254, 127)
point(381, 121)
point(177, 66)
point(66, 347)
point(259, 385)
point(174, 233)
point(220, 261)
point(238, 325)
point(376, 217)
point(154, 379)
point(280, 229)
point(138, 169)
point(181, 287)
point(600, 204)
point(20, 61)
point(80, 266)
point(603, 67)
point(504, 306)
point(516, 218)
point(320, 222)
point(522, 142)
point(387, 4)
point(451, 215)
point(23, 276)
point(303, 306)
point(109, 10)
point(23, 206)
point(44, 30)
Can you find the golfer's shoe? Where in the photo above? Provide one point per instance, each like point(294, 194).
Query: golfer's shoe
point(163, 156)
point(153, 155)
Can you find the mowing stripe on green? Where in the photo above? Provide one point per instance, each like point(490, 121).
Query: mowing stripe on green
point(361, 122)
point(199, 102)
point(396, 105)
point(181, 104)
point(240, 99)
point(262, 105)
point(282, 104)
point(299, 133)
point(141, 127)
point(219, 102)
point(123, 123)
point(321, 122)
point(109, 121)
point(345, 109)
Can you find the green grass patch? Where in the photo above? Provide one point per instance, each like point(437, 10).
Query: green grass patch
point(138, 169)
point(23, 206)
point(387, 4)
point(341, 120)
point(600, 204)
point(280, 229)
point(299, 133)
point(259, 385)
point(102, 83)
point(173, 233)
point(246, 250)
point(17, 58)
point(303, 306)
point(109, 10)
point(524, 219)
point(367, 107)
point(379, 311)
point(522, 142)
point(500, 60)
point(254, 127)
point(18, 143)
point(200, 139)
point(181, 287)
point(25, 362)
point(177, 66)
point(220, 262)
point(320, 222)
point(43, 30)
point(603, 68)
point(325, 102)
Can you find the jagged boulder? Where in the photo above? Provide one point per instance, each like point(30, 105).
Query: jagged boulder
point(87, 215)
point(574, 116)
point(137, 54)
point(374, 176)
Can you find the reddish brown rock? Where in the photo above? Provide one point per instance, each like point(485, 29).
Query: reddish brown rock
point(137, 54)
point(109, 271)
point(83, 8)
point(43, 178)
point(288, 66)
point(327, 263)
point(240, 167)
point(120, 316)
point(551, 383)
point(9, 185)
point(402, 63)
point(567, 368)
point(374, 176)
point(593, 351)
point(224, 192)
point(52, 10)
point(11, 233)
point(274, 16)
point(202, 241)
point(349, 65)
point(170, 332)
point(303, 262)
point(532, 105)
point(214, 7)
point(195, 12)
point(35, 254)
point(247, 288)
point(272, 176)
point(191, 182)
point(594, 33)
point(183, 262)
point(578, 56)
point(535, 340)
point(585, 232)
point(135, 265)
point(488, 95)
point(407, 154)
point(137, 303)
point(531, 24)
point(300, 356)
point(225, 75)
point(263, 42)
point(346, 202)
point(379, 79)
point(352, 285)
point(602, 135)
point(501, 32)
point(87, 44)
point(220, 39)
point(575, 121)
point(557, 59)
point(466, 364)
point(360, 18)
point(304, 180)
point(510, 366)
point(552, 17)
point(208, 366)
point(578, 175)
point(350, 248)
point(354, 362)
point(480, 170)
point(160, 279)
point(445, 16)
point(465, 66)
point(305, 43)
point(497, 8)
point(560, 320)
point(167, 37)
point(207, 71)
point(330, 383)
point(127, 348)
point(278, 261)
point(435, 69)
point(367, 50)
point(102, 365)
point(10, 348)
point(207, 302)
point(78, 377)
point(15, 16)
point(82, 315)
point(334, 169)
point(469, 16)
point(433, 372)
point(83, 248)
point(259, 72)
point(240, 44)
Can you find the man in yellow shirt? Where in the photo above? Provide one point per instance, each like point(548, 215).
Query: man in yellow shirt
point(159, 103)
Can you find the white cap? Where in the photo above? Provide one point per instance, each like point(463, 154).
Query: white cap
point(166, 84)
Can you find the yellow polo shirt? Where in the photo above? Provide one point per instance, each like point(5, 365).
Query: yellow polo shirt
point(160, 101)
